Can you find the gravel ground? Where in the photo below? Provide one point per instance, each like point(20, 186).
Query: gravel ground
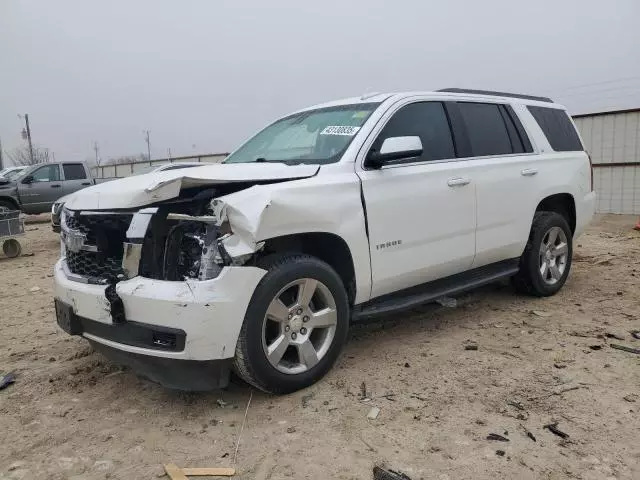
point(74, 415)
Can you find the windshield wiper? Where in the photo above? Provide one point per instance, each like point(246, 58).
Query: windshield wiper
point(261, 160)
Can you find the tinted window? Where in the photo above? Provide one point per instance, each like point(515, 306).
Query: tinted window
point(49, 173)
point(426, 120)
point(558, 128)
point(74, 171)
point(486, 129)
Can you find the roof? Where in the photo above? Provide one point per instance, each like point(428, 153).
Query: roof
point(448, 93)
point(608, 112)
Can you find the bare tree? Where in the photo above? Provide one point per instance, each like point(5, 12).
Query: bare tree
point(21, 156)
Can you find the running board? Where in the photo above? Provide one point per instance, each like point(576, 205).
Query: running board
point(428, 292)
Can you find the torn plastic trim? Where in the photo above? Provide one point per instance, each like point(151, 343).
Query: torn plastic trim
point(224, 243)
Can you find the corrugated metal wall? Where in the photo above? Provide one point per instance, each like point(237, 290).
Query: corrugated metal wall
point(614, 139)
point(128, 169)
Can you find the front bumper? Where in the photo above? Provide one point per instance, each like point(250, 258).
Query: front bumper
point(207, 314)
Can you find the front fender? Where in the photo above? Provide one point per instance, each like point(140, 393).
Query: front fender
point(331, 206)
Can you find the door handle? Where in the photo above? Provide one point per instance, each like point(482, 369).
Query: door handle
point(458, 182)
point(86, 183)
point(529, 172)
point(57, 185)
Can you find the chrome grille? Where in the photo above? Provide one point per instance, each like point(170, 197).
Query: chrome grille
point(101, 255)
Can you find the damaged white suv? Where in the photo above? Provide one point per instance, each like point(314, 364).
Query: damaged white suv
point(333, 214)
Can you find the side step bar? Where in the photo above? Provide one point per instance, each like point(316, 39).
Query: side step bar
point(431, 291)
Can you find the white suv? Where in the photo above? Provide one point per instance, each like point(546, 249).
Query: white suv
point(336, 213)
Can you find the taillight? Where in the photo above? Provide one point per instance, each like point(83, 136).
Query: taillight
point(590, 170)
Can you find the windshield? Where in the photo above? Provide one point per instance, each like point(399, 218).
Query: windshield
point(13, 173)
point(314, 137)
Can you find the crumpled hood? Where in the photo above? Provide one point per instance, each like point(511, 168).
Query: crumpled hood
point(142, 190)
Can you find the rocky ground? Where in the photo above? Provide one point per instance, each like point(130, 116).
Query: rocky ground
point(71, 414)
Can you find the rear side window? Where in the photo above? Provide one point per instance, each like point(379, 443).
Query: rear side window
point(486, 129)
point(557, 128)
point(427, 120)
point(74, 171)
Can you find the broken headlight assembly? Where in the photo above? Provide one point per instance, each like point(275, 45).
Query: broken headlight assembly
point(180, 245)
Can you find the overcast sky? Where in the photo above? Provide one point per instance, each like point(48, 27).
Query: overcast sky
point(203, 75)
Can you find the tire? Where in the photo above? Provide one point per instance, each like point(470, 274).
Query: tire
point(533, 278)
point(11, 248)
point(7, 206)
point(286, 284)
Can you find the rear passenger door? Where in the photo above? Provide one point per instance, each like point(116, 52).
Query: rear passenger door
point(420, 211)
point(506, 179)
point(75, 177)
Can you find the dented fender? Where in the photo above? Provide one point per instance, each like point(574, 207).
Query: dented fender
point(263, 212)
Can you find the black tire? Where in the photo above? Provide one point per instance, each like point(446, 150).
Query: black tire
point(7, 205)
point(529, 279)
point(251, 362)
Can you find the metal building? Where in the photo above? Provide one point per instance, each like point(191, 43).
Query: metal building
point(613, 141)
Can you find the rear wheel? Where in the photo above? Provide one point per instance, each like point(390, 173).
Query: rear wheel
point(546, 261)
point(295, 327)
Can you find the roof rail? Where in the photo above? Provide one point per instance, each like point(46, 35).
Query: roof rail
point(496, 94)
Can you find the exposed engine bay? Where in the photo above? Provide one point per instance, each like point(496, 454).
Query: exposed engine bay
point(178, 239)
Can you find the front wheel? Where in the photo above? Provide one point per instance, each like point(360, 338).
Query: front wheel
point(295, 326)
point(546, 261)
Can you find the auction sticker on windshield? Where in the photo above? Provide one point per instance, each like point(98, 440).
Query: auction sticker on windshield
point(340, 130)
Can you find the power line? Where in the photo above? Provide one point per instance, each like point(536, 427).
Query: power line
point(584, 85)
point(597, 92)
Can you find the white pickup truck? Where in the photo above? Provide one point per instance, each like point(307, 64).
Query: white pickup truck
point(333, 214)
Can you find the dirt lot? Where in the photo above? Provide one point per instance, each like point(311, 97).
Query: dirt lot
point(72, 414)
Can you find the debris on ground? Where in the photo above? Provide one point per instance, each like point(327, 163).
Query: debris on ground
point(500, 453)
point(363, 390)
point(34, 289)
point(7, 380)
point(221, 403)
point(497, 437)
point(528, 433)
point(306, 399)
point(373, 413)
point(635, 334)
point(624, 348)
point(595, 347)
point(177, 473)
point(382, 473)
point(448, 302)
point(291, 430)
point(540, 313)
point(471, 347)
point(631, 398)
point(553, 428)
point(560, 365)
point(515, 404)
point(614, 335)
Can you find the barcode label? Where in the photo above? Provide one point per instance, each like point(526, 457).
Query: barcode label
point(340, 130)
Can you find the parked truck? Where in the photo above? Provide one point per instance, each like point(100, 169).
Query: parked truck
point(36, 190)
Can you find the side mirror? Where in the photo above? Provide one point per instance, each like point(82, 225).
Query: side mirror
point(28, 179)
point(394, 148)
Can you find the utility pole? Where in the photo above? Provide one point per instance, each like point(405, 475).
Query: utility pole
point(26, 121)
point(146, 137)
point(96, 149)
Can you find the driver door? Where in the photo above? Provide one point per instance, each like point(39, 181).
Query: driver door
point(421, 212)
point(42, 189)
